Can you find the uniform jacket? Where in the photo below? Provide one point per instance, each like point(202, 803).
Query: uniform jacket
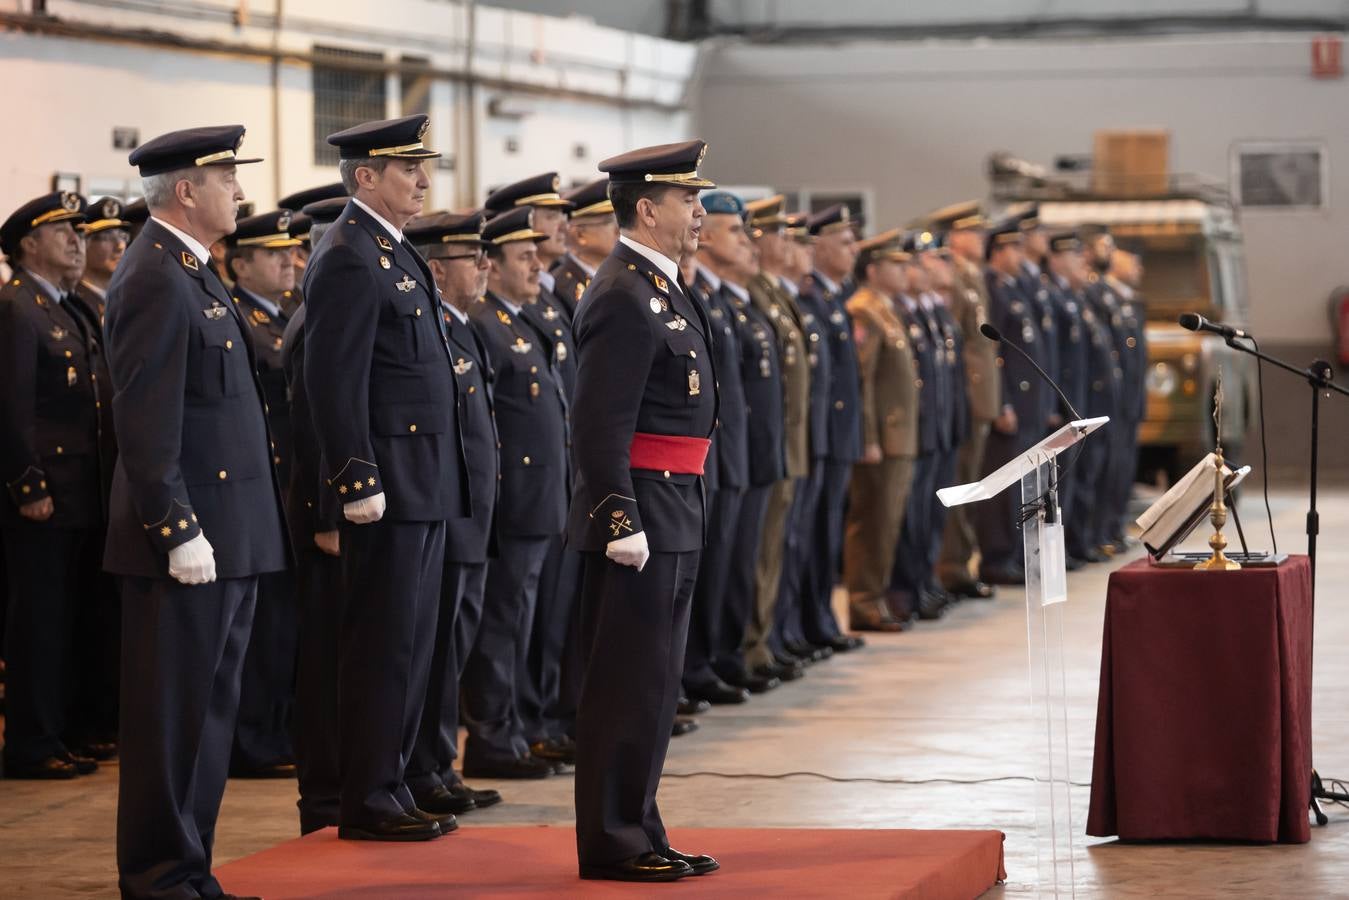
point(570, 282)
point(1132, 343)
point(309, 510)
point(645, 366)
point(929, 381)
point(469, 540)
point(1022, 387)
point(773, 301)
point(814, 318)
point(970, 305)
point(889, 390)
point(531, 419)
point(1074, 344)
point(761, 378)
point(550, 317)
point(952, 345)
point(194, 453)
point(54, 443)
point(845, 422)
point(729, 456)
point(267, 334)
point(381, 386)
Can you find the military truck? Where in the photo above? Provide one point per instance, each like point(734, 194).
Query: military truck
point(1189, 237)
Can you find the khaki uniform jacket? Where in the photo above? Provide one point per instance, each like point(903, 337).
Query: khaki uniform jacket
point(969, 303)
point(889, 375)
point(770, 299)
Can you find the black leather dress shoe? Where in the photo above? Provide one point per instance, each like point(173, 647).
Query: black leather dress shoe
point(789, 659)
point(99, 751)
point(781, 672)
point(446, 821)
point(811, 652)
point(49, 769)
point(683, 725)
point(700, 864)
point(875, 617)
point(275, 770)
point(974, 590)
point(83, 764)
point(717, 692)
point(931, 606)
point(1094, 555)
point(692, 706)
point(1003, 576)
point(400, 828)
point(481, 799)
point(554, 751)
point(516, 767)
point(753, 683)
point(1072, 563)
point(444, 802)
point(647, 867)
point(846, 643)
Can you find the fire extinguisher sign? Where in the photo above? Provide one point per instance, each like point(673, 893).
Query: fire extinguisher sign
point(1327, 56)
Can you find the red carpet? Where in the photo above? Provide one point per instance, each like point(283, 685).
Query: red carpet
point(540, 861)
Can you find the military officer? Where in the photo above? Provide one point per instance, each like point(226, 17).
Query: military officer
point(259, 257)
point(313, 519)
point(889, 408)
point(52, 456)
point(834, 256)
point(382, 397)
point(300, 227)
point(646, 404)
point(1033, 282)
point(591, 236)
point(1123, 278)
point(454, 247)
point(964, 226)
point(726, 261)
point(531, 417)
point(106, 235)
point(1063, 266)
point(764, 652)
point(195, 511)
point(1021, 422)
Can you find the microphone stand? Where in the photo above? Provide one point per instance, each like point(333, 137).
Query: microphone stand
point(1318, 376)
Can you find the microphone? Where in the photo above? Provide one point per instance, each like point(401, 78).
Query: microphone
point(1196, 322)
point(994, 334)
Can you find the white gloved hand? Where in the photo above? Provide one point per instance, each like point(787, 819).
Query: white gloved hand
point(363, 512)
point(629, 551)
point(193, 562)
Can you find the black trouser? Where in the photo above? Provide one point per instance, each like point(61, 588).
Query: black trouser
point(913, 568)
point(319, 602)
point(490, 676)
point(538, 685)
point(182, 654)
point(999, 538)
point(52, 573)
point(826, 554)
point(943, 475)
point(710, 594)
point(796, 556)
point(267, 689)
point(1082, 516)
point(634, 626)
point(729, 659)
point(391, 578)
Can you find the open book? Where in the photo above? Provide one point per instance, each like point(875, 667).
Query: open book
point(1171, 519)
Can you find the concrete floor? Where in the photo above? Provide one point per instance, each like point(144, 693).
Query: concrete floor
point(946, 701)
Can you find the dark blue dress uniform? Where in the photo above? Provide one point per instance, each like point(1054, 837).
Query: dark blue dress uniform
point(318, 585)
point(1131, 343)
point(531, 416)
point(53, 446)
point(1072, 375)
point(647, 381)
point(828, 301)
point(571, 277)
point(262, 744)
point(951, 345)
point(194, 459)
point(382, 395)
point(1087, 528)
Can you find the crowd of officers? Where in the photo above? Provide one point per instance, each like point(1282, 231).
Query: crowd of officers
point(852, 382)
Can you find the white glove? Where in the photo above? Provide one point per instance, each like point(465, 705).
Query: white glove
point(363, 512)
point(193, 562)
point(629, 551)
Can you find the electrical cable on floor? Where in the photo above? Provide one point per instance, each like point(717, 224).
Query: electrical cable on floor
point(838, 779)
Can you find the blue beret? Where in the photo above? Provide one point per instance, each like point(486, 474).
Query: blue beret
point(722, 203)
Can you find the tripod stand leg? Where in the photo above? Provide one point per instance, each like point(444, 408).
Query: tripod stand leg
point(1317, 790)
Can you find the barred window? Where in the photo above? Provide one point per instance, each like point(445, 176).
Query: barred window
point(344, 96)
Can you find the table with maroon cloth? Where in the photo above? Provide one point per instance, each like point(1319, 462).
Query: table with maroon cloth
point(1203, 725)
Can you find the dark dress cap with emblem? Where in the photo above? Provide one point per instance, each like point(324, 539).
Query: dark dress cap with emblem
point(962, 216)
point(445, 234)
point(673, 164)
point(389, 138)
point(539, 190)
point(590, 199)
point(297, 201)
point(324, 212)
point(104, 214)
point(1000, 234)
point(270, 230)
point(834, 218)
point(512, 226)
point(58, 206)
point(214, 145)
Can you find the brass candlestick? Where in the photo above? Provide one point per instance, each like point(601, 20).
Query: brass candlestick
point(1218, 562)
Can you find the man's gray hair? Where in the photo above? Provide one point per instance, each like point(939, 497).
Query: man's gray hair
point(316, 233)
point(347, 168)
point(158, 189)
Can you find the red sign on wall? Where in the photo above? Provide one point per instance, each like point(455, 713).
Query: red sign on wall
point(1327, 56)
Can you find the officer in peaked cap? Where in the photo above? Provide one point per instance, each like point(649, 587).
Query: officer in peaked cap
point(51, 457)
point(1034, 283)
point(454, 247)
point(313, 520)
point(591, 236)
point(382, 396)
point(297, 201)
point(1066, 273)
point(195, 512)
point(259, 259)
point(136, 214)
point(531, 417)
point(646, 404)
point(106, 235)
point(300, 225)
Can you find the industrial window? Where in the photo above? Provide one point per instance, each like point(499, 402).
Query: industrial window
point(1280, 175)
point(344, 95)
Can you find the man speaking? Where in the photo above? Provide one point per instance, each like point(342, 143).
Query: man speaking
point(645, 406)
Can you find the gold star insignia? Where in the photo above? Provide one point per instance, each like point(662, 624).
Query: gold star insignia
point(356, 485)
point(194, 517)
point(370, 481)
point(166, 531)
point(182, 524)
point(341, 488)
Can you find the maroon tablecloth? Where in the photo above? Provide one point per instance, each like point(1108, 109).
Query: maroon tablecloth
point(1203, 726)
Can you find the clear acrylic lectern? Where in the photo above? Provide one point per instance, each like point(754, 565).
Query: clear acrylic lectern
point(1046, 590)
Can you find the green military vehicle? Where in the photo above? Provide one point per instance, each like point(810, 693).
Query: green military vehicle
point(1189, 239)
